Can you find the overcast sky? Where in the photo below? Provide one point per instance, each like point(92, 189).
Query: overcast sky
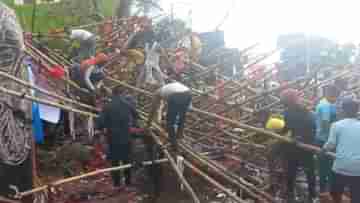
point(262, 21)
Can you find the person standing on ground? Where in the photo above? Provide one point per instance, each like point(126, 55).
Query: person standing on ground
point(16, 163)
point(178, 98)
point(325, 116)
point(87, 42)
point(344, 94)
point(301, 124)
point(345, 139)
point(115, 117)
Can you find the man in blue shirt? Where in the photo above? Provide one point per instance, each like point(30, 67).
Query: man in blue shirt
point(325, 116)
point(344, 138)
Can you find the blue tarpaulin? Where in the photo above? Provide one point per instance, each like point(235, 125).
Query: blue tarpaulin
point(37, 125)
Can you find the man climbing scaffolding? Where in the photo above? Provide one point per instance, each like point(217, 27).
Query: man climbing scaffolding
point(178, 98)
point(87, 42)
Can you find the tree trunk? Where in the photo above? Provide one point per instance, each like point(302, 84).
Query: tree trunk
point(123, 8)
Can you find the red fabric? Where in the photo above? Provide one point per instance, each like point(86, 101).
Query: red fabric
point(57, 72)
point(98, 161)
point(291, 96)
point(85, 64)
point(136, 130)
point(179, 61)
point(220, 88)
point(256, 72)
point(101, 58)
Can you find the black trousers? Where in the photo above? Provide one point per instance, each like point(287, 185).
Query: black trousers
point(341, 181)
point(20, 176)
point(154, 170)
point(178, 105)
point(125, 158)
point(297, 158)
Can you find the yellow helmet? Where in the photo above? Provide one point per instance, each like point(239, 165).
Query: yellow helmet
point(275, 124)
point(136, 56)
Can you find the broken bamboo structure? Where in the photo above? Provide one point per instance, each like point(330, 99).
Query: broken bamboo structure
point(83, 176)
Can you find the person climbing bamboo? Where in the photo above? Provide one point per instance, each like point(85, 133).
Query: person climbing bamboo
point(15, 139)
point(87, 42)
point(178, 97)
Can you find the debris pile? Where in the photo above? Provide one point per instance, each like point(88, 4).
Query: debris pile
point(225, 142)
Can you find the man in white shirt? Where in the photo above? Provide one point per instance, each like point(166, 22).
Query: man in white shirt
point(178, 98)
point(87, 42)
point(345, 139)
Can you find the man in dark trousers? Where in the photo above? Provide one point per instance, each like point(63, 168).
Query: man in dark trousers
point(178, 98)
point(301, 124)
point(325, 116)
point(115, 117)
point(344, 139)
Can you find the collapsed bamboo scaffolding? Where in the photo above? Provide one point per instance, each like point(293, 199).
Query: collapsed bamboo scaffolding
point(195, 110)
point(198, 111)
point(230, 121)
point(83, 176)
point(214, 182)
point(221, 171)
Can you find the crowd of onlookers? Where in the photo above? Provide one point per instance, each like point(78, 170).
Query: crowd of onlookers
point(332, 126)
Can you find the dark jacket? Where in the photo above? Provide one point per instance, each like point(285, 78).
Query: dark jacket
point(115, 117)
point(301, 123)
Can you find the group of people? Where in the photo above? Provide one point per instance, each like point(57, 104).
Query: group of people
point(119, 116)
point(333, 128)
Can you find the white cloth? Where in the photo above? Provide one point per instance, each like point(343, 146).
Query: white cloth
point(49, 113)
point(81, 35)
point(31, 80)
point(173, 88)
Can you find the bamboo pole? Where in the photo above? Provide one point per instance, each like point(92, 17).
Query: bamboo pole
point(262, 131)
point(257, 96)
point(213, 182)
point(33, 52)
point(232, 122)
point(28, 85)
point(307, 88)
point(177, 171)
point(86, 175)
point(6, 200)
point(230, 79)
point(43, 101)
point(221, 173)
